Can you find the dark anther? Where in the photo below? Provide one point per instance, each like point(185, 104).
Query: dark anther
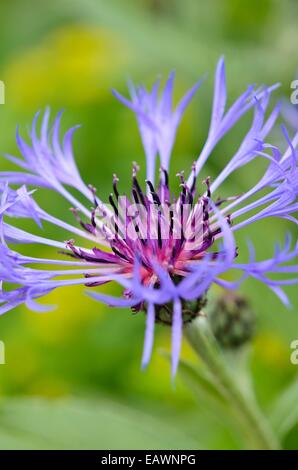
point(171, 221)
point(70, 245)
point(182, 184)
point(194, 180)
point(207, 182)
point(93, 221)
point(189, 194)
point(115, 181)
point(135, 196)
point(166, 176)
point(118, 253)
point(85, 226)
point(159, 231)
point(139, 190)
point(93, 191)
point(113, 204)
point(154, 194)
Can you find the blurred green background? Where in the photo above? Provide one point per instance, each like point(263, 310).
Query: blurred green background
point(72, 377)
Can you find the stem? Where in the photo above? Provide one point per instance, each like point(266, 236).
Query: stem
point(250, 416)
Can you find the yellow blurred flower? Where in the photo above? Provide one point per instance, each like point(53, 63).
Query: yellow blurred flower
point(74, 310)
point(272, 350)
point(50, 387)
point(72, 65)
point(22, 363)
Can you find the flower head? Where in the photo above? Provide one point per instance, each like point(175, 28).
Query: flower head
point(164, 249)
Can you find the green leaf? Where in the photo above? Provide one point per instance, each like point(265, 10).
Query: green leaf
point(77, 424)
point(284, 412)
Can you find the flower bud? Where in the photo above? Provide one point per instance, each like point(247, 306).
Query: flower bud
point(232, 320)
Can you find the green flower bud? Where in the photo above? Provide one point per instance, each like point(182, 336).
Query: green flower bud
point(232, 320)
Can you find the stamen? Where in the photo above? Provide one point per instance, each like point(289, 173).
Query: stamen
point(111, 199)
point(182, 198)
point(135, 196)
point(118, 253)
point(207, 182)
point(182, 184)
point(189, 194)
point(139, 190)
point(135, 169)
point(194, 179)
point(93, 221)
point(115, 181)
point(159, 230)
point(84, 225)
point(70, 245)
point(171, 221)
point(154, 194)
point(205, 209)
point(220, 200)
point(181, 176)
point(166, 177)
point(93, 191)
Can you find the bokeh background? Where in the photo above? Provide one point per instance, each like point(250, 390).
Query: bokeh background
point(72, 377)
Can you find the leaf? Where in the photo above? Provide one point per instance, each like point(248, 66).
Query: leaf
point(79, 424)
point(284, 412)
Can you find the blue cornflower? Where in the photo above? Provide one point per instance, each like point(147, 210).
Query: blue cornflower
point(165, 251)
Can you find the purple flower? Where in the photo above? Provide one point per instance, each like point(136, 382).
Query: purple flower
point(165, 250)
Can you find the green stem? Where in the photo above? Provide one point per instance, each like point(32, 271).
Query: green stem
point(249, 415)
